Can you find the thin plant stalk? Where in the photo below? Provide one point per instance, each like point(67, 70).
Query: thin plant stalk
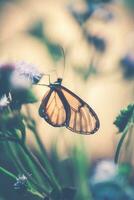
point(39, 167)
point(42, 150)
point(116, 159)
point(22, 169)
point(44, 158)
point(124, 133)
point(129, 145)
point(19, 166)
point(34, 167)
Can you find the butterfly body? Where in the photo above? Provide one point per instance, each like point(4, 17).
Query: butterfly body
point(56, 83)
point(61, 107)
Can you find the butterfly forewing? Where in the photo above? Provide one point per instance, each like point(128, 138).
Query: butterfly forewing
point(52, 109)
point(82, 118)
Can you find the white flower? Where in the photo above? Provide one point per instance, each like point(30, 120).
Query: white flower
point(21, 182)
point(24, 75)
point(22, 178)
point(105, 170)
point(4, 102)
point(19, 81)
point(29, 71)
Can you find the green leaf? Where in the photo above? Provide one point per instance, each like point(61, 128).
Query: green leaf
point(10, 123)
point(85, 73)
point(37, 30)
point(125, 169)
point(81, 166)
point(126, 115)
point(22, 96)
point(7, 173)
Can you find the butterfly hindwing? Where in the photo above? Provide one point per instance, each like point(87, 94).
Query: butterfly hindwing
point(82, 118)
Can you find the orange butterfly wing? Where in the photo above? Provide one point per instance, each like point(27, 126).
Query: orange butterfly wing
point(52, 109)
point(61, 107)
point(82, 118)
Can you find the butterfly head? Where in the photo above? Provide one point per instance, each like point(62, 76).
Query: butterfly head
point(59, 81)
point(56, 83)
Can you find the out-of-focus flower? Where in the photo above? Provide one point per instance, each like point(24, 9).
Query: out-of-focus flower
point(107, 182)
point(127, 64)
point(104, 171)
point(104, 13)
point(27, 71)
point(19, 82)
point(15, 81)
point(98, 42)
point(81, 11)
point(21, 183)
point(6, 68)
point(109, 191)
point(6, 71)
point(19, 75)
point(124, 117)
point(4, 101)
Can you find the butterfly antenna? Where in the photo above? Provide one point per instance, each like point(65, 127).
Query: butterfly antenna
point(43, 85)
point(64, 58)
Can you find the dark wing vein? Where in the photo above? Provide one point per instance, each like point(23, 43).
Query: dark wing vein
point(53, 109)
point(82, 119)
point(61, 107)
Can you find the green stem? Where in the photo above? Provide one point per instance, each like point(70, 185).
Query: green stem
point(35, 193)
point(45, 158)
point(4, 171)
point(120, 143)
point(32, 160)
point(13, 156)
point(124, 133)
point(22, 169)
point(19, 166)
point(42, 150)
point(129, 145)
point(39, 166)
point(8, 138)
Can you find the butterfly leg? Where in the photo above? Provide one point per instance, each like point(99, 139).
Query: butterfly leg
point(48, 77)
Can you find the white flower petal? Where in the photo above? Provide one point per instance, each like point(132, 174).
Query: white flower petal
point(105, 170)
point(29, 71)
point(19, 82)
point(4, 101)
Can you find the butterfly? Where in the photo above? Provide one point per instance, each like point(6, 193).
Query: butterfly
point(62, 108)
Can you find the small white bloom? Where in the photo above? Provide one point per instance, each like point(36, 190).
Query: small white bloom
point(29, 71)
point(105, 170)
point(4, 101)
point(21, 182)
point(22, 178)
point(19, 82)
point(24, 75)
